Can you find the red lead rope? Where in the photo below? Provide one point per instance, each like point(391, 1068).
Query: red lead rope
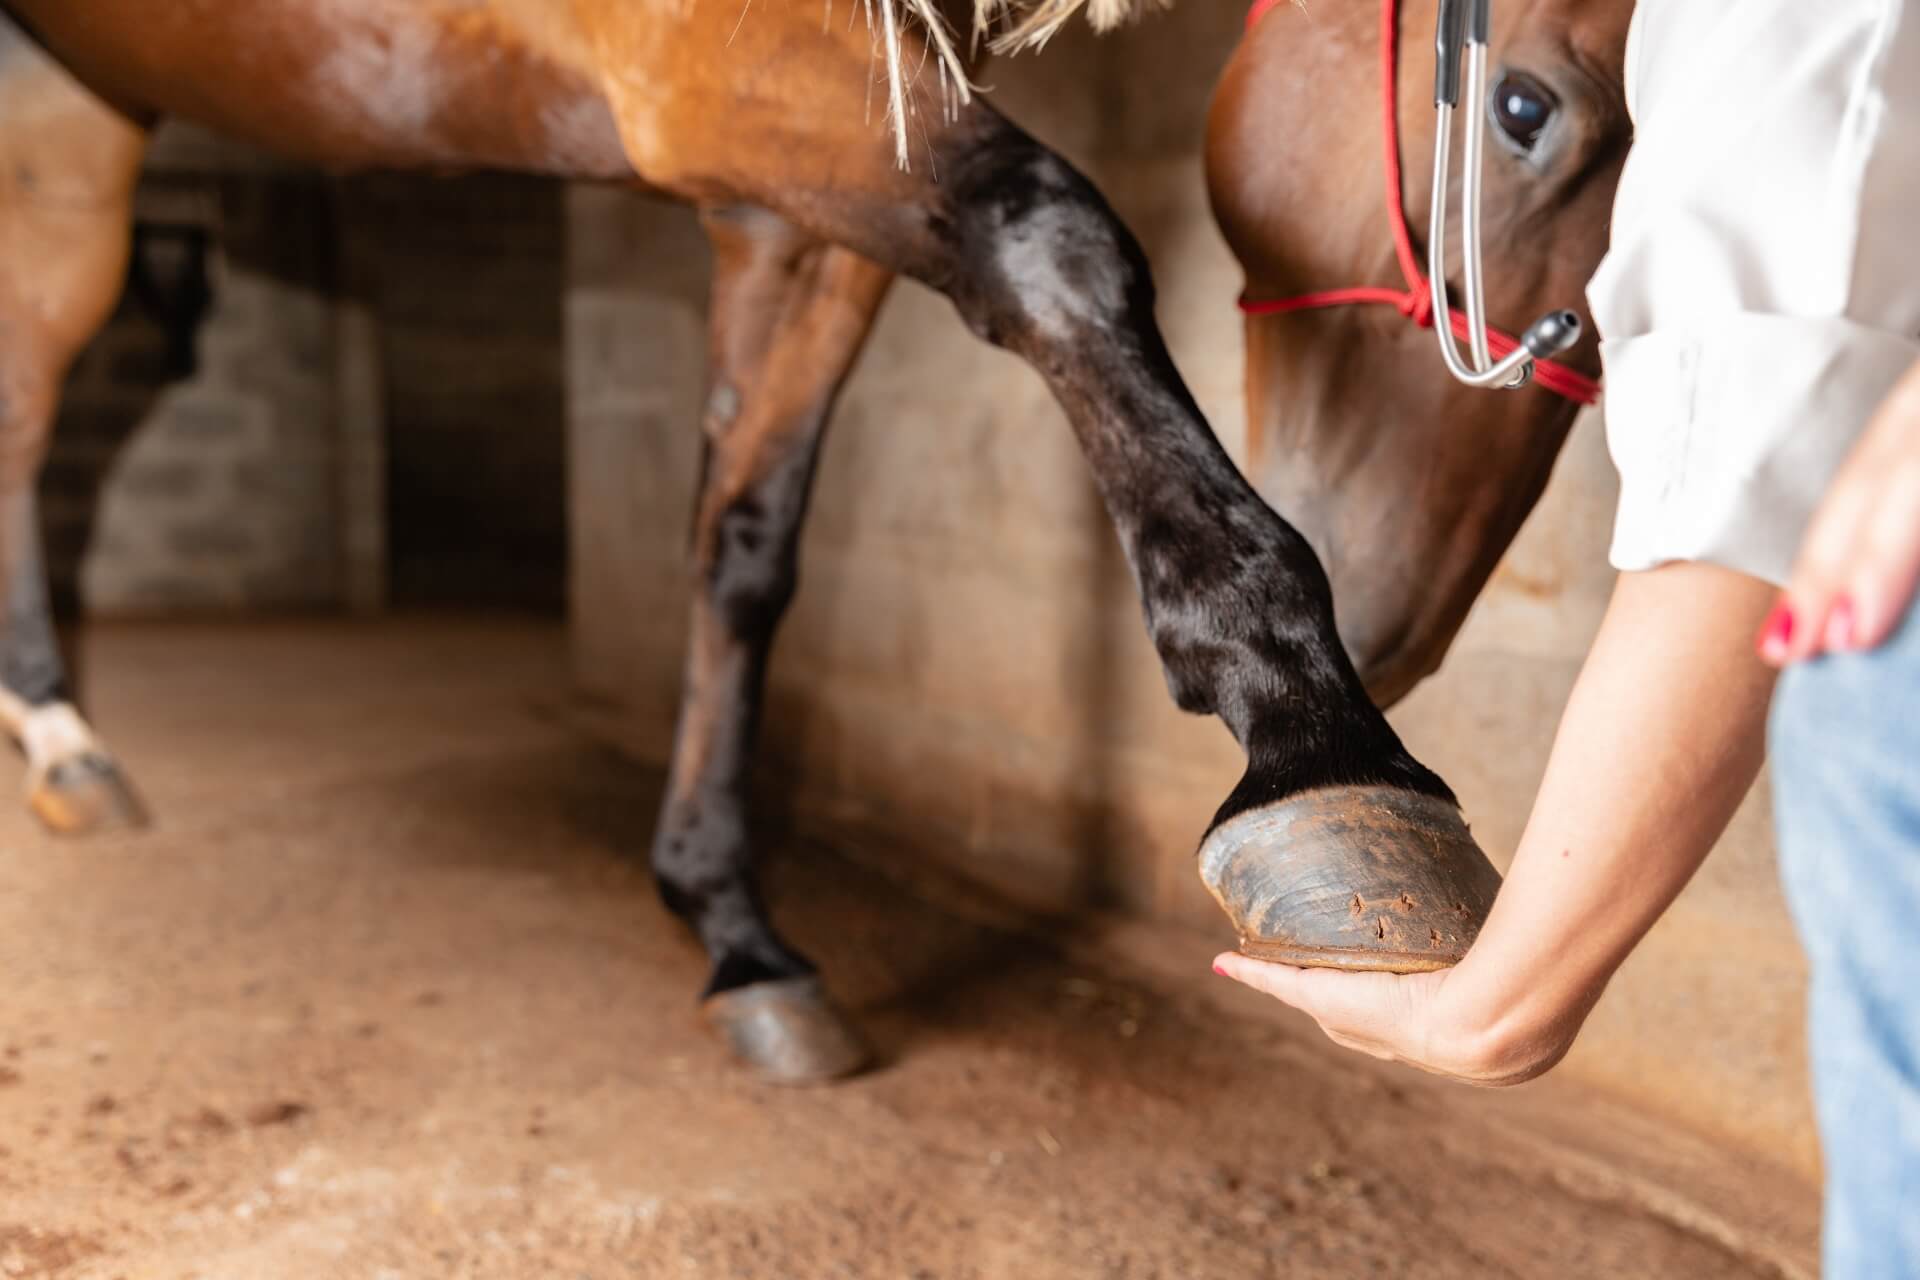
point(1415, 302)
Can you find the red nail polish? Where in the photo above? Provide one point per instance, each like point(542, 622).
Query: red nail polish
point(1776, 633)
point(1220, 969)
point(1839, 636)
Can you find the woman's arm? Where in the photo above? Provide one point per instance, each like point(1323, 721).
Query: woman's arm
point(1660, 740)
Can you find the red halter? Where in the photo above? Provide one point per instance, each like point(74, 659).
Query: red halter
point(1415, 302)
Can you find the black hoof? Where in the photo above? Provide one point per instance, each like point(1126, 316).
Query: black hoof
point(788, 1031)
point(85, 795)
point(1351, 878)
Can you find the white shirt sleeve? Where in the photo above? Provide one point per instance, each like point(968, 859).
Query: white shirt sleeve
point(1761, 293)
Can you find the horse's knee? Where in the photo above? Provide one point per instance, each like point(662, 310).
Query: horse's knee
point(1039, 260)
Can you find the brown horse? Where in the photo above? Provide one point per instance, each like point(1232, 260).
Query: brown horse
point(761, 123)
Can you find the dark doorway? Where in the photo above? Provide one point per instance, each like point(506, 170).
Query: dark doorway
point(468, 279)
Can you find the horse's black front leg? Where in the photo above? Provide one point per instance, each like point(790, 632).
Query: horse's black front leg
point(1336, 847)
point(789, 314)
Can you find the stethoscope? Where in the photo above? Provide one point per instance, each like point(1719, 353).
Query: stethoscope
point(1462, 31)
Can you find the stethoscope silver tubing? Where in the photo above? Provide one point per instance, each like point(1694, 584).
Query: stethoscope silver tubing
point(1475, 284)
point(1514, 368)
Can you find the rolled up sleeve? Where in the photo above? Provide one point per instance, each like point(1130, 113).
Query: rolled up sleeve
point(1761, 292)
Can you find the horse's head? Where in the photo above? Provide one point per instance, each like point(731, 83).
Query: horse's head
point(1409, 484)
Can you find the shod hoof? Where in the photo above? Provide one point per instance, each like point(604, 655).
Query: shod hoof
point(788, 1031)
point(1351, 878)
point(85, 795)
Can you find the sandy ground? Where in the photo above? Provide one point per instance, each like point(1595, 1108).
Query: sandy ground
point(386, 993)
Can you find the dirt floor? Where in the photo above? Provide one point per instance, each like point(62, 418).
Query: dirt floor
point(386, 993)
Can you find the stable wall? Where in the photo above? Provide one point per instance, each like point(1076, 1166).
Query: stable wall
point(375, 410)
point(215, 490)
point(964, 673)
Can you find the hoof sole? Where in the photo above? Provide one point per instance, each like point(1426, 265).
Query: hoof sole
point(86, 795)
point(1368, 878)
point(788, 1031)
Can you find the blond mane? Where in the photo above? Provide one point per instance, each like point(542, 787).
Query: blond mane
point(1003, 26)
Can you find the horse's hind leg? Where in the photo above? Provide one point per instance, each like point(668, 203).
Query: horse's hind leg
point(68, 163)
point(789, 314)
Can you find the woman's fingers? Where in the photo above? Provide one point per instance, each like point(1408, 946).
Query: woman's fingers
point(1784, 626)
point(1887, 562)
point(1858, 568)
point(1384, 1015)
point(1280, 981)
point(1815, 614)
point(1364, 1011)
point(1328, 997)
point(1860, 559)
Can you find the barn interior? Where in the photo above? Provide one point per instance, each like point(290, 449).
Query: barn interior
point(372, 500)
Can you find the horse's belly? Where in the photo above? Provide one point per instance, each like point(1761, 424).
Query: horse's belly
point(353, 83)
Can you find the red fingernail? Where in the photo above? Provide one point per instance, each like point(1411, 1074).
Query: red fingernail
point(1220, 969)
point(1776, 633)
point(1840, 625)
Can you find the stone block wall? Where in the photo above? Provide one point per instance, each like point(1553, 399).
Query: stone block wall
point(216, 491)
point(376, 414)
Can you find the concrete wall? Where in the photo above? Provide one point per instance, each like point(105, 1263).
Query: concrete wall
point(215, 491)
point(376, 413)
point(965, 670)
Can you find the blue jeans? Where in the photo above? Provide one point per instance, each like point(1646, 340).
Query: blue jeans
point(1845, 740)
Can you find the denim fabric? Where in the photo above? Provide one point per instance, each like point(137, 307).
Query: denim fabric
point(1845, 737)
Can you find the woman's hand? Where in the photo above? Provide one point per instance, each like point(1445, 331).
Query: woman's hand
point(1662, 736)
point(1860, 560)
point(1411, 1018)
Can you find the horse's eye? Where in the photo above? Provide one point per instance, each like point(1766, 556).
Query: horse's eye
point(1521, 108)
